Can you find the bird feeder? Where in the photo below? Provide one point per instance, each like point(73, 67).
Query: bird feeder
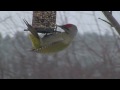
point(44, 21)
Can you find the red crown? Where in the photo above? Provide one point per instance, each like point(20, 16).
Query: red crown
point(68, 25)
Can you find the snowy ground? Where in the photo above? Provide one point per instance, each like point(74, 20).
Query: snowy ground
point(11, 21)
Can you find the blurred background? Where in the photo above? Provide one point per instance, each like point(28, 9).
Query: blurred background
point(94, 53)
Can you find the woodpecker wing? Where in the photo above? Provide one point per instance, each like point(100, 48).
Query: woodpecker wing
point(52, 48)
point(52, 44)
point(53, 38)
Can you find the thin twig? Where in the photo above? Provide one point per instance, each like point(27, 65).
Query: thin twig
point(112, 20)
point(106, 22)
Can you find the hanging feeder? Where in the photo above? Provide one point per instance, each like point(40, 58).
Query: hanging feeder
point(44, 21)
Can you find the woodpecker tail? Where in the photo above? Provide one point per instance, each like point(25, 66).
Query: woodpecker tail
point(31, 29)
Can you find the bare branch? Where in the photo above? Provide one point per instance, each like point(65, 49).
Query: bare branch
point(106, 22)
point(112, 20)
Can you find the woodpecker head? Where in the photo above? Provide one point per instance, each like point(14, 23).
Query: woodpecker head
point(70, 29)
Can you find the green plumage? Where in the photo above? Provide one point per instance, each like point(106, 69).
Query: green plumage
point(35, 41)
point(48, 44)
point(54, 42)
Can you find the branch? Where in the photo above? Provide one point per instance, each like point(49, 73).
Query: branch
point(106, 22)
point(112, 20)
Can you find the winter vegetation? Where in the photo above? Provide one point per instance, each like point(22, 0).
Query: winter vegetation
point(94, 53)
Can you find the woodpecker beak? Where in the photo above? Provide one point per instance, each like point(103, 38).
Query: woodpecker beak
point(57, 25)
point(65, 29)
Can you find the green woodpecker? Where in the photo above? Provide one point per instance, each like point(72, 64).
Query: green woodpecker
point(53, 42)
